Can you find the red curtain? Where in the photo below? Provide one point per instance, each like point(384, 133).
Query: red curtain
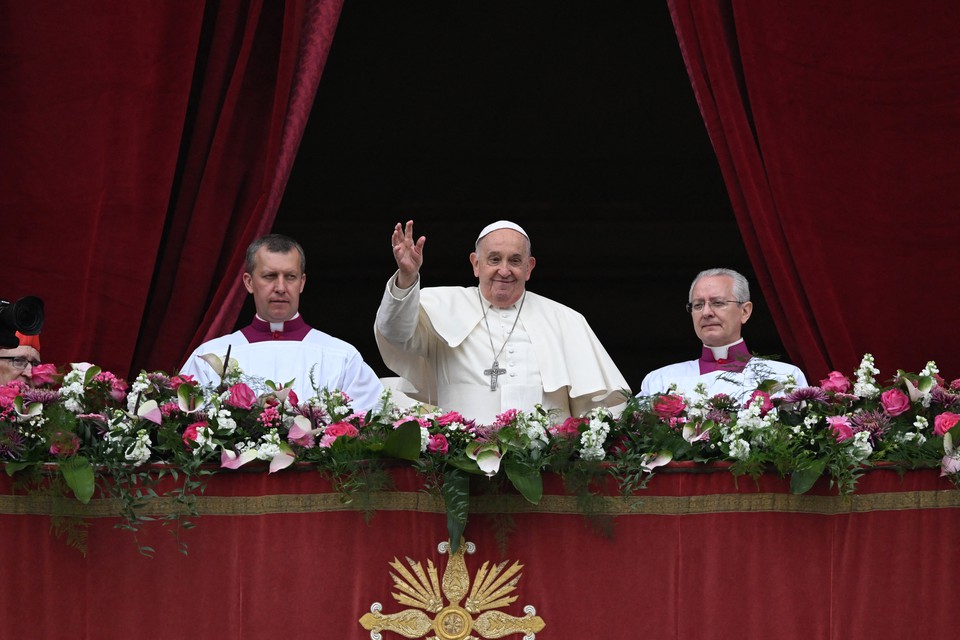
point(695, 555)
point(145, 145)
point(836, 125)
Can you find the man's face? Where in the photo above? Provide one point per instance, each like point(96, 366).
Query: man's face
point(8, 368)
point(276, 284)
point(503, 264)
point(718, 327)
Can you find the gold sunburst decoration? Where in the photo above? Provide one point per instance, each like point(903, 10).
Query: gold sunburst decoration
point(492, 588)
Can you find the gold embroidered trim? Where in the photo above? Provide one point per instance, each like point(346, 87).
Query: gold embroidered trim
point(419, 502)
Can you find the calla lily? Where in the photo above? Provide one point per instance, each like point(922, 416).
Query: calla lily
point(950, 463)
point(651, 461)
point(691, 435)
point(301, 428)
point(31, 410)
point(920, 390)
point(187, 399)
point(231, 460)
point(217, 364)
point(487, 456)
point(149, 410)
point(283, 392)
point(90, 371)
point(281, 461)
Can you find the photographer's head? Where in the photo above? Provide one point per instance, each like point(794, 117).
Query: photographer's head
point(17, 363)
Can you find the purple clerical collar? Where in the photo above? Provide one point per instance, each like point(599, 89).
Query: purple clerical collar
point(262, 331)
point(735, 360)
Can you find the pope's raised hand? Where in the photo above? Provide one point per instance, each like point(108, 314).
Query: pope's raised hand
point(408, 254)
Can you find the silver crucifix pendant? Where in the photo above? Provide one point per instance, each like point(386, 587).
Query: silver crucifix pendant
point(494, 372)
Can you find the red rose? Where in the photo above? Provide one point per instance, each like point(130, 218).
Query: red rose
point(176, 381)
point(190, 433)
point(669, 406)
point(64, 444)
point(765, 403)
point(895, 402)
point(569, 428)
point(944, 422)
point(241, 396)
point(836, 381)
point(341, 429)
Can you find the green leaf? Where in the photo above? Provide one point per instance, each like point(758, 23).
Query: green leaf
point(456, 499)
point(13, 467)
point(803, 478)
point(526, 479)
point(404, 442)
point(78, 472)
point(464, 464)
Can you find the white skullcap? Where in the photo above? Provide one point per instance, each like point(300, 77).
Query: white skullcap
point(502, 224)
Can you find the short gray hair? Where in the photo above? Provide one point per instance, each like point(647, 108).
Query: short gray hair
point(741, 288)
point(274, 243)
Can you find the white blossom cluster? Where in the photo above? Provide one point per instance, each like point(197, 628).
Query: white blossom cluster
point(866, 384)
point(591, 440)
point(860, 445)
point(533, 431)
point(920, 425)
point(72, 389)
point(139, 451)
point(269, 446)
point(698, 405)
point(749, 418)
point(139, 385)
point(204, 442)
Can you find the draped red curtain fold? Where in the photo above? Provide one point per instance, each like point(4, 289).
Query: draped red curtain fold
point(835, 127)
point(146, 145)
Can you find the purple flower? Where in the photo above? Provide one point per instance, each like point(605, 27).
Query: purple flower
point(806, 394)
point(876, 422)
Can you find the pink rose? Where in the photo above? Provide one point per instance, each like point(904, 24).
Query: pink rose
point(765, 403)
point(895, 402)
point(44, 374)
point(450, 418)
point(836, 381)
point(241, 396)
point(944, 422)
point(190, 433)
point(438, 444)
point(841, 427)
point(955, 385)
point(669, 406)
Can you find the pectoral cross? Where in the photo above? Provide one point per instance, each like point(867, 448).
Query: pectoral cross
point(494, 372)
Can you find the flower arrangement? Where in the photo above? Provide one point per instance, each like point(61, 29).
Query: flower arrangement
point(85, 430)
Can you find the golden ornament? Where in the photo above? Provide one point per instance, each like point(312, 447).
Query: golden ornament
point(421, 589)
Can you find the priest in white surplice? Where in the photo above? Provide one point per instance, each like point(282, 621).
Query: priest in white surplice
point(278, 345)
point(719, 303)
point(483, 350)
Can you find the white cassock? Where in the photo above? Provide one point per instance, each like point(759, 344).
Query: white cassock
point(438, 341)
point(736, 384)
point(335, 365)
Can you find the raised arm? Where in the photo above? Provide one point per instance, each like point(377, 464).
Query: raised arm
point(407, 253)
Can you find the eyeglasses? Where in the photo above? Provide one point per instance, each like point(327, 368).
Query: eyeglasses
point(19, 362)
point(716, 305)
